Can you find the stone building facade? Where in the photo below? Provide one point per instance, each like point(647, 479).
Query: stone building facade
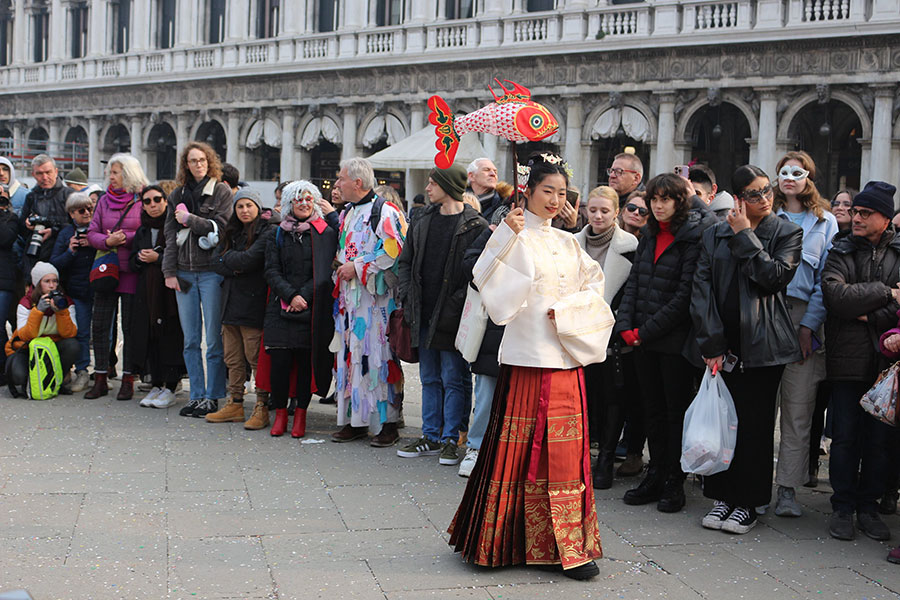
point(286, 88)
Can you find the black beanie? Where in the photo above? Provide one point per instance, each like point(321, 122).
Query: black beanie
point(878, 196)
point(452, 180)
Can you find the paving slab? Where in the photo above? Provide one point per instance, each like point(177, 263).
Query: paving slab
point(218, 568)
point(327, 580)
point(368, 544)
point(376, 507)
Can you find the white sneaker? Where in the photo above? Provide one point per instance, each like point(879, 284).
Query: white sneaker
point(147, 401)
point(80, 383)
point(165, 399)
point(468, 462)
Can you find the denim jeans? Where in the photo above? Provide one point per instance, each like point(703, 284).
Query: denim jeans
point(859, 460)
point(484, 399)
point(83, 311)
point(6, 301)
point(199, 309)
point(444, 406)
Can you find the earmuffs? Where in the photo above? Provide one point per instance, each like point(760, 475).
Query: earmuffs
point(211, 239)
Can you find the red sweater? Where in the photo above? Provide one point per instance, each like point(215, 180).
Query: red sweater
point(664, 239)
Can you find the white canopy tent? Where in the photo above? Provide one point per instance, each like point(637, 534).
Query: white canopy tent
point(415, 154)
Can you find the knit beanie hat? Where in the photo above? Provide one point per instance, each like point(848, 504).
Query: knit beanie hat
point(40, 270)
point(452, 180)
point(247, 193)
point(76, 175)
point(878, 196)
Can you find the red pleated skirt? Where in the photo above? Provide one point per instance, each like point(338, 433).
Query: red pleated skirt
point(529, 498)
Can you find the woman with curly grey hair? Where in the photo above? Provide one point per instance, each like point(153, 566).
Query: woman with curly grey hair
point(298, 324)
point(116, 219)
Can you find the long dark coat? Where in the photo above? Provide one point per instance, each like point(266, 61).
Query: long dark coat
point(244, 287)
point(302, 264)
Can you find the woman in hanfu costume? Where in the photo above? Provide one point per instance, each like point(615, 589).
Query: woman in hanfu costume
point(529, 498)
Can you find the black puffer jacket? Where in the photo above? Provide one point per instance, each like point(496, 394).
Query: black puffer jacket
point(9, 232)
point(765, 261)
point(488, 361)
point(445, 319)
point(244, 288)
point(658, 295)
point(856, 281)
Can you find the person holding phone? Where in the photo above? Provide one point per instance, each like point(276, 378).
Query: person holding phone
point(797, 200)
point(744, 333)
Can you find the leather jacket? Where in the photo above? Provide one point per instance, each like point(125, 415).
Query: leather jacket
point(765, 260)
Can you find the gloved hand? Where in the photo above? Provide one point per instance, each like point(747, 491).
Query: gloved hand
point(44, 303)
point(631, 337)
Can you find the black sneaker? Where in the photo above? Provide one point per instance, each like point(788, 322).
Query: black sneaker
point(840, 526)
point(188, 409)
point(872, 525)
point(741, 520)
point(716, 517)
point(204, 407)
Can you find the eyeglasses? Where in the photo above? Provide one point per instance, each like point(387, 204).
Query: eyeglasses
point(304, 200)
point(638, 209)
point(865, 213)
point(197, 161)
point(618, 172)
point(754, 196)
point(155, 199)
point(790, 173)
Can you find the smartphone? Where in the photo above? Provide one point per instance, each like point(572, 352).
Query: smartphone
point(184, 284)
point(682, 171)
point(816, 344)
point(572, 197)
point(729, 363)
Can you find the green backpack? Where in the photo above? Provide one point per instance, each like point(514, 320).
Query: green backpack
point(44, 369)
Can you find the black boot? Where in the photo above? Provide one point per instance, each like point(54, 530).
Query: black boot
point(650, 489)
point(672, 499)
point(888, 503)
point(603, 470)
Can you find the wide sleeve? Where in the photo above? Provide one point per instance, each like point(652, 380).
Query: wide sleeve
point(584, 320)
point(704, 310)
point(772, 272)
point(390, 234)
point(504, 274)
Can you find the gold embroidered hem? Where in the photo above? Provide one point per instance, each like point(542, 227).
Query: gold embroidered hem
point(529, 498)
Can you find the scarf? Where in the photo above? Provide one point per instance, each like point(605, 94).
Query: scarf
point(117, 199)
point(161, 302)
point(292, 224)
point(194, 193)
point(598, 244)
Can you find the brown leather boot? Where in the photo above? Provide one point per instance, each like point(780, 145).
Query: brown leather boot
point(387, 437)
point(232, 412)
point(126, 390)
point(260, 417)
point(99, 388)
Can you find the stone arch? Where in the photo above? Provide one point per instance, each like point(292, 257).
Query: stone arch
point(692, 110)
point(116, 138)
point(76, 134)
point(203, 118)
point(314, 127)
point(641, 107)
point(213, 133)
point(812, 96)
point(390, 122)
point(146, 140)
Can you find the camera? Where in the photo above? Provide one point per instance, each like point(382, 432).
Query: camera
point(34, 243)
point(81, 232)
point(4, 195)
point(59, 299)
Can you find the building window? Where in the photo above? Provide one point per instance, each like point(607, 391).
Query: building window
point(327, 17)
point(460, 9)
point(41, 31)
point(267, 12)
point(165, 17)
point(78, 30)
point(6, 39)
point(120, 25)
point(216, 28)
point(540, 5)
point(389, 12)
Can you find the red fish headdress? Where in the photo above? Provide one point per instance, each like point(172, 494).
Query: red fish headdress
point(513, 116)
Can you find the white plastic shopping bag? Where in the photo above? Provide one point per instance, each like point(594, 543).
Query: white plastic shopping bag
point(472, 325)
point(710, 429)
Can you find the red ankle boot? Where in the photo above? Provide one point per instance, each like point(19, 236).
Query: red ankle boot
point(299, 429)
point(280, 424)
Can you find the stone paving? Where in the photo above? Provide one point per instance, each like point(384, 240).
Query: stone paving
point(103, 499)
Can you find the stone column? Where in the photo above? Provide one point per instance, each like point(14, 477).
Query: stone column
point(95, 169)
point(181, 131)
point(348, 140)
point(20, 30)
point(234, 153)
point(97, 29)
point(57, 50)
point(766, 151)
point(291, 13)
point(354, 18)
point(663, 157)
point(139, 35)
point(54, 140)
point(137, 137)
point(288, 121)
point(880, 163)
point(236, 22)
point(573, 149)
point(413, 184)
point(184, 24)
point(491, 26)
point(19, 140)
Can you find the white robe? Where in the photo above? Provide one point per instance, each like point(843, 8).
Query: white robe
point(522, 276)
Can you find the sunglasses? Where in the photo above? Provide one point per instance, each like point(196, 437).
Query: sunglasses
point(790, 173)
point(84, 210)
point(754, 196)
point(155, 199)
point(635, 208)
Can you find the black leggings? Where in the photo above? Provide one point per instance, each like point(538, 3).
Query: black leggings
point(17, 364)
point(282, 360)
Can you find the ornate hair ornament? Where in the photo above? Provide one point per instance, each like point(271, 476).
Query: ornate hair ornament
point(522, 174)
point(555, 159)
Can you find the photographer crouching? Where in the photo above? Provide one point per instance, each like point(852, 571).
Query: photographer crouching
point(42, 312)
point(73, 256)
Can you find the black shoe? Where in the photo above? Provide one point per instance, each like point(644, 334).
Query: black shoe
point(888, 504)
point(583, 572)
point(649, 490)
point(840, 526)
point(602, 475)
point(292, 406)
point(872, 525)
point(813, 475)
point(111, 372)
point(328, 400)
point(672, 499)
point(204, 407)
point(188, 409)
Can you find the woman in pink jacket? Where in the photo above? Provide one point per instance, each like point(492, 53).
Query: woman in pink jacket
point(116, 218)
